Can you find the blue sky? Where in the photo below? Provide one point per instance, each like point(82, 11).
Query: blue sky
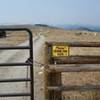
point(50, 12)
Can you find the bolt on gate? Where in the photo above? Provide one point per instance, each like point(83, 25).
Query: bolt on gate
point(59, 60)
point(28, 63)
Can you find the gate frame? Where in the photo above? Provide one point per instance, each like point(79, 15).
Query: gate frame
point(53, 84)
point(29, 63)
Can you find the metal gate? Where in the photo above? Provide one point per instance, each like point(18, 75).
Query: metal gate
point(53, 71)
point(28, 63)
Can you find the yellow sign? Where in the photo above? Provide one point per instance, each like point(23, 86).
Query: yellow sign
point(60, 50)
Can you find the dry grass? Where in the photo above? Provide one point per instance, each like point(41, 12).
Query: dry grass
point(13, 38)
point(82, 78)
point(67, 78)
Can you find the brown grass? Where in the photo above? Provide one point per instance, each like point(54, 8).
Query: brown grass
point(67, 78)
point(83, 77)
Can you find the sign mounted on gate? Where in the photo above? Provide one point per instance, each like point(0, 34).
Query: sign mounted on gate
point(60, 50)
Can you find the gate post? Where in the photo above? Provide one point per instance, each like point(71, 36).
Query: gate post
point(52, 79)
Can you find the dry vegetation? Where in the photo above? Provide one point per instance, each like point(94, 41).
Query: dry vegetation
point(13, 38)
point(82, 78)
point(67, 78)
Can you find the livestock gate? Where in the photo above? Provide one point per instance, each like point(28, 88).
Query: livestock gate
point(59, 60)
point(29, 63)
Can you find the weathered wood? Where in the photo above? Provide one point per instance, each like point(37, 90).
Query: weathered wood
point(74, 88)
point(66, 68)
point(76, 44)
point(78, 60)
point(2, 34)
point(54, 79)
point(54, 88)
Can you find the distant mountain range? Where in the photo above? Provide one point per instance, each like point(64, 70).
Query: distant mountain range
point(80, 27)
point(30, 26)
point(17, 26)
point(64, 26)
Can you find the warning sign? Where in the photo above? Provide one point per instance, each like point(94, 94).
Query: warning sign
point(60, 50)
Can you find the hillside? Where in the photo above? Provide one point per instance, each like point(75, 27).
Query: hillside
point(80, 27)
point(82, 78)
point(62, 35)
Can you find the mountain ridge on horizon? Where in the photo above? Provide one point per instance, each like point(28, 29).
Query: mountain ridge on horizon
point(62, 26)
point(80, 27)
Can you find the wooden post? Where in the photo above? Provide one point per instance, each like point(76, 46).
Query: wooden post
point(53, 73)
point(51, 79)
point(72, 68)
point(2, 34)
point(54, 79)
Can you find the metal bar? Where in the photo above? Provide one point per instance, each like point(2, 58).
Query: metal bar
point(54, 79)
point(31, 67)
point(14, 94)
point(23, 64)
point(64, 68)
point(14, 64)
point(15, 80)
point(15, 47)
point(76, 44)
point(74, 88)
point(79, 60)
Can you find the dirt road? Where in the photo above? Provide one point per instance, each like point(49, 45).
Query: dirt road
point(19, 72)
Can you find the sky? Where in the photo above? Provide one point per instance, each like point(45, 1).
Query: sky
point(53, 12)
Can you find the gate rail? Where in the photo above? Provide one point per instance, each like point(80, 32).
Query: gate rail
point(53, 72)
point(29, 64)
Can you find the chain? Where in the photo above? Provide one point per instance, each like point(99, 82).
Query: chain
point(38, 64)
point(35, 63)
